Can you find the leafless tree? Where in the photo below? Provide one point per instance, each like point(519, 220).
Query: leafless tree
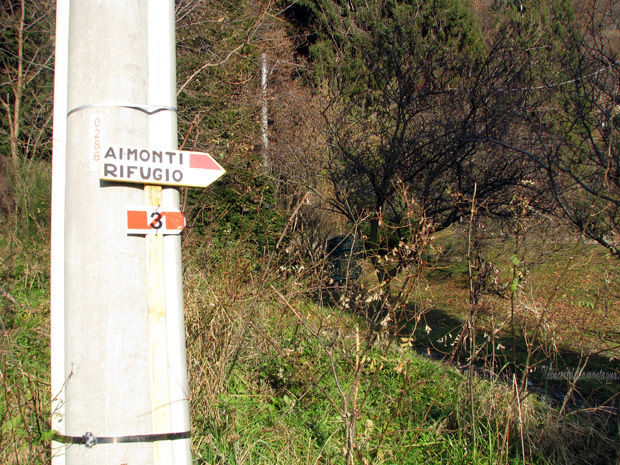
point(573, 122)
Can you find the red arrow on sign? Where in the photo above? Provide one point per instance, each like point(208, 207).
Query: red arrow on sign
point(121, 163)
point(153, 220)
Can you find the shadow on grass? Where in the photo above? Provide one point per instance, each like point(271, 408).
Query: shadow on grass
point(440, 335)
point(444, 336)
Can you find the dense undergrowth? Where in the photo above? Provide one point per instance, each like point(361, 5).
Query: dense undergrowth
point(287, 366)
point(24, 317)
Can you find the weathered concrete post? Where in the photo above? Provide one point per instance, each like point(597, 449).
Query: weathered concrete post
point(124, 381)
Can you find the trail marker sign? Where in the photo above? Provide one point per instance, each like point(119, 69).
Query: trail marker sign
point(159, 167)
point(154, 220)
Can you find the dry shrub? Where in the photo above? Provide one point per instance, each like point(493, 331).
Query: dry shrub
point(534, 428)
point(224, 294)
point(577, 438)
point(7, 201)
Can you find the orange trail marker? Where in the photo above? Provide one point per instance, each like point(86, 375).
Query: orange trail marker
point(154, 220)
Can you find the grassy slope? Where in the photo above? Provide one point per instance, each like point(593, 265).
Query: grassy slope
point(567, 288)
point(275, 366)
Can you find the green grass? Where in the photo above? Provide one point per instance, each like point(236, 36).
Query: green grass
point(414, 411)
point(24, 353)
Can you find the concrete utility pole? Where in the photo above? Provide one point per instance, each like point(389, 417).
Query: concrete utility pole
point(58, 226)
point(118, 341)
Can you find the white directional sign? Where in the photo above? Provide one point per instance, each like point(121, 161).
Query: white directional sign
point(159, 167)
point(154, 220)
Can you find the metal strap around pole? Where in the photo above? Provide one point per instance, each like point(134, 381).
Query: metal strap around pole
point(90, 440)
point(148, 109)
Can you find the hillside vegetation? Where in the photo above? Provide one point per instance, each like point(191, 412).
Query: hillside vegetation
point(465, 156)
